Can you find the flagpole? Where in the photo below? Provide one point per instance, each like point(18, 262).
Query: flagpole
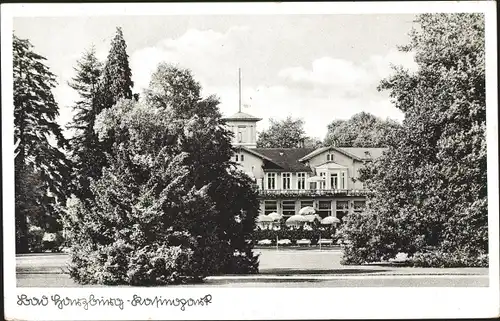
point(239, 89)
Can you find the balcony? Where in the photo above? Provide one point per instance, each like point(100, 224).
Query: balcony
point(278, 193)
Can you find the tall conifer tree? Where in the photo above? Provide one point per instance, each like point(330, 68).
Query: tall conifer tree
point(117, 76)
point(86, 150)
point(37, 159)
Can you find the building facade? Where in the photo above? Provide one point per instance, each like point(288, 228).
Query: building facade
point(289, 179)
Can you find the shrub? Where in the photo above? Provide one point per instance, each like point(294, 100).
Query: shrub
point(439, 258)
point(363, 241)
point(173, 261)
point(358, 236)
point(108, 265)
point(162, 264)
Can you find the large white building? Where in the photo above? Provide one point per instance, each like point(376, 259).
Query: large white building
point(292, 178)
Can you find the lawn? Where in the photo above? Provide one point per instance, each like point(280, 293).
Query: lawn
point(306, 264)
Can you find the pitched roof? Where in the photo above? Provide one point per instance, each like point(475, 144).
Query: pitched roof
point(364, 152)
point(254, 152)
point(314, 153)
point(286, 158)
point(358, 153)
point(242, 116)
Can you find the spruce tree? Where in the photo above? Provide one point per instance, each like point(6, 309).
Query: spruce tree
point(36, 130)
point(87, 153)
point(117, 76)
point(99, 89)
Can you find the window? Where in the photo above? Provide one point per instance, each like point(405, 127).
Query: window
point(301, 180)
point(270, 207)
point(242, 157)
point(322, 183)
point(342, 209)
point(288, 208)
point(306, 203)
point(334, 181)
point(329, 157)
point(286, 180)
point(342, 181)
point(271, 180)
point(236, 157)
point(359, 206)
point(325, 208)
point(241, 130)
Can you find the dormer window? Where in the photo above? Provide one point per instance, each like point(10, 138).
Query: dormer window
point(330, 157)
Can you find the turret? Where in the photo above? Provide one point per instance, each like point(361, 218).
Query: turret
point(244, 128)
point(242, 125)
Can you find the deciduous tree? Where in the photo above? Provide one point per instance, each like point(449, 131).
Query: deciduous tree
point(430, 188)
point(287, 133)
point(361, 130)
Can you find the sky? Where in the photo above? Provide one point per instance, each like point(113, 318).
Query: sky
point(314, 67)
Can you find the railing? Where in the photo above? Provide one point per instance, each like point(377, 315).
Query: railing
point(311, 192)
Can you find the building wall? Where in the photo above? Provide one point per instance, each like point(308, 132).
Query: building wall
point(293, 180)
point(249, 133)
point(340, 159)
point(333, 209)
point(357, 184)
point(251, 164)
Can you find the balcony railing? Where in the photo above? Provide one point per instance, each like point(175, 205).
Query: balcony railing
point(275, 193)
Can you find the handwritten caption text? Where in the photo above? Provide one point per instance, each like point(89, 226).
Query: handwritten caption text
point(92, 301)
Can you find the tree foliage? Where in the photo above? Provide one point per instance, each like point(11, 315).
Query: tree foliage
point(430, 187)
point(99, 88)
point(287, 133)
point(361, 130)
point(88, 155)
point(170, 207)
point(117, 76)
point(41, 167)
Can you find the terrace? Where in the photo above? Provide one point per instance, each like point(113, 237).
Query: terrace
point(277, 193)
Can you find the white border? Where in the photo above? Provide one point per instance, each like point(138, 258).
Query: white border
point(304, 303)
point(260, 8)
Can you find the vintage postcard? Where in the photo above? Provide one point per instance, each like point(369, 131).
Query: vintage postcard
point(250, 160)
